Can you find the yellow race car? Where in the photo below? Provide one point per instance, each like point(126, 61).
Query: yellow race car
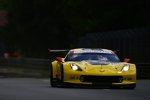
point(86, 66)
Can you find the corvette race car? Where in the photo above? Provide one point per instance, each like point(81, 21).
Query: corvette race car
point(86, 66)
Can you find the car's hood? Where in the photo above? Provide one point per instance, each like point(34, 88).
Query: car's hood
point(105, 67)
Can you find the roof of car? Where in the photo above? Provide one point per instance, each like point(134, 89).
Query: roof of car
point(91, 50)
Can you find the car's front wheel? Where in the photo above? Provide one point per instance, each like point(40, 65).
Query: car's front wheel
point(53, 81)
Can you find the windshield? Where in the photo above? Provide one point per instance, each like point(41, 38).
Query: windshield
point(101, 57)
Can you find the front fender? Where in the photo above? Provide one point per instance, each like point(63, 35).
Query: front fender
point(57, 69)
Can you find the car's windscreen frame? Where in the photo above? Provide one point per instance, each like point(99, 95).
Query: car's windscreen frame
point(84, 56)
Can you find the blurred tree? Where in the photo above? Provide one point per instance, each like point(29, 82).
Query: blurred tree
point(35, 25)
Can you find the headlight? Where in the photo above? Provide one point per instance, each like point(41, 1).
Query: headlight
point(75, 67)
point(125, 68)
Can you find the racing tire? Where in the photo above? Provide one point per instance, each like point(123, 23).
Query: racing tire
point(53, 81)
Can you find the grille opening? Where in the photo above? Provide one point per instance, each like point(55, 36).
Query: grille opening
point(105, 79)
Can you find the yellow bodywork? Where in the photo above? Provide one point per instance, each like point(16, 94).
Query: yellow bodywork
point(111, 69)
point(71, 76)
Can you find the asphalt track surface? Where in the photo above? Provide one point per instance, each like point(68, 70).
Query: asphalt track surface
point(39, 89)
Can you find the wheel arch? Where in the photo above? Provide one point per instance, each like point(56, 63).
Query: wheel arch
point(53, 69)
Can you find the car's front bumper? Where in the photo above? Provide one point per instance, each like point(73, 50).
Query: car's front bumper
point(100, 79)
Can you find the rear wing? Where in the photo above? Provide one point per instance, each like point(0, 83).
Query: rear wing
point(52, 50)
point(57, 54)
point(116, 51)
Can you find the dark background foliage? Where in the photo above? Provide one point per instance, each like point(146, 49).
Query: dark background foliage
point(36, 25)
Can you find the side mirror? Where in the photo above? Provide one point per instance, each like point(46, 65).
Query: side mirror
point(126, 60)
point(59, 59)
